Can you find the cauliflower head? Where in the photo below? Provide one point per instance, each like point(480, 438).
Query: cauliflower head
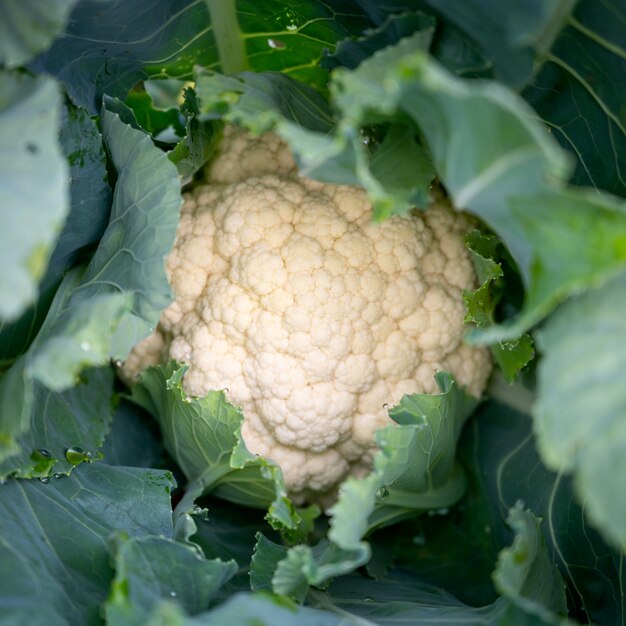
point(313, 316)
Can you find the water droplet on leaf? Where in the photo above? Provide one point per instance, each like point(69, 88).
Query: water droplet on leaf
point(44, 479)
point(43, 461)
point(382, 493)
point(76, 455)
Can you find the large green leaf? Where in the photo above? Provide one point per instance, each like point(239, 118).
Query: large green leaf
point(480, 137)
point(510, 32)
point(101, 311)
point(580, 415)
point(119, 298)
point(123, 45)
point(203, 436)
point(33, 177)
point(151, 569)
point(54, 564)
point(90, 202)
point(500, 448)
point(475, 37)
point(26, 28)
point(580, 93)
point(90, 193)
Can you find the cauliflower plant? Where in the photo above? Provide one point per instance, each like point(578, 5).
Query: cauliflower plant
point(313, 316)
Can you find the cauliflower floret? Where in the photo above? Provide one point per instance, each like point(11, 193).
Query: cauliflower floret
point(312, 315)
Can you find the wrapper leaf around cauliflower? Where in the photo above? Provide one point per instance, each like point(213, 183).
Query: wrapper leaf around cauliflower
point(313, 316)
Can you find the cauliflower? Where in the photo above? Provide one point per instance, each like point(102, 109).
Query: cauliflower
point(313, 316)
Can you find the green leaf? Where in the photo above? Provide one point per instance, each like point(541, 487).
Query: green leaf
point(229, 532)
point(459, 53)
point(203, 436)
point(121, 46)
point(532, 590)
point(401, 167)
point(195, 148)
point(524, 573)
point(117, 301)
point(75, 334)
point(27, 28)
point(65, 345)
point(398, 600)
point(480, 304)
point(259, 101)
point(499, 447)
point(101, 312)
point(249, 610)
point(579, 93)
point(509, 32)
point(33, 175)
point(265, 559)
point(54, 561)
point(484, 144)
point(290, 571)
point(396, 174)
point(155, 121)
point(77, 418)
point(90, 193)
point(133, 439)
point(351, 52)
point(149, 570)
point(579, 415)
point(90, 202)
point(141, 232)
point(415, 469)
point(576, 240)
point(291, 39)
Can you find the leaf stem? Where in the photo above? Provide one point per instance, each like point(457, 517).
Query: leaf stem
point(228, 38)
